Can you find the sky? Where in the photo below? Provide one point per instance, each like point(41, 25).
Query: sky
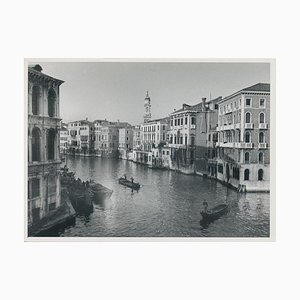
point(116, 90)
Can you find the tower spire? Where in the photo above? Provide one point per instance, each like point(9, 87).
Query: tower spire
point(147, 107)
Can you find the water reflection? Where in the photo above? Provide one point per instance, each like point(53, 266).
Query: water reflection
point(168, 204)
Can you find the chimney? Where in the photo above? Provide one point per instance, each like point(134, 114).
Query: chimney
point(203, 104)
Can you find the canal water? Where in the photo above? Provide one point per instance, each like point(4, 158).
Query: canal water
point(167, 205)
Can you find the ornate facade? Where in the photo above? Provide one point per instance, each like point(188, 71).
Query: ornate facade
point(44, 193)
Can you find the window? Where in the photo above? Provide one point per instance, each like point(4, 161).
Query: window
point(247, 158)
point(186, 141)
point(261, 137)
point(248, 117)
point(262, 103)
point(52, 206)
point(52, 185)
point(181, 121)
point(35, 100)
point(193, 120)
point(209, 137)
point(192, 140)
point(171, 139)
point(181, 140)
point(51, 102)
point(246, 174)
point(167, 152)
point(186, 120)
point(36, 144)
point(261, 158)
point(247, 137)
point(260, 174)
point(220, 168)
point(175, 139)
point(261, 118)
point(51, 144)
point(171, 122)
point(35, 187)
point(248, 102)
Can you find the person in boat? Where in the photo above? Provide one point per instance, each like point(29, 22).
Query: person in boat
point(125, 177)
point(205, 206)
point(132, 179)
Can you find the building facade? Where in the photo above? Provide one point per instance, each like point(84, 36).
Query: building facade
point(63, 141)
point(206, 138)
point(44, 191)
point(81, 137)
point(125, 141)
point(244, 138)
point(182, 135)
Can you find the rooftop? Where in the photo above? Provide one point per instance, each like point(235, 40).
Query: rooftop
point(36, 70)
point(259, 87)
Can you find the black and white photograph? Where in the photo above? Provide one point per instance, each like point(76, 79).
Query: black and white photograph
point(149, 148)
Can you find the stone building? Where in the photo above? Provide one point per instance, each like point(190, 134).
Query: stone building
point(153, 138)
point(137, 137)
point(182, 136)
point(44, 192)
point(81, 137)
point(107, 140)
point(125, 141)
point(244, 138)
point(63, 141)
point(206, 138)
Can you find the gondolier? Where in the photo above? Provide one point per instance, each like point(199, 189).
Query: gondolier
point(205, 206)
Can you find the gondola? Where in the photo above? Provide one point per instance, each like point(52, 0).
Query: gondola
point(214, 213)
point(128, 183)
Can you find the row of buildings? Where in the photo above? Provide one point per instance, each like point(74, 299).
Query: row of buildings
point(223, 138)
point(227, 139)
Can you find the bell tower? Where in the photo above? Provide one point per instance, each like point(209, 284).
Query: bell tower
point(147, 107)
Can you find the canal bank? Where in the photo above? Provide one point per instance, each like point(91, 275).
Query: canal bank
point(168, 204)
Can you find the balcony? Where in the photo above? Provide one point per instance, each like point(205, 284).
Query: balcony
point(262, 145)
point(226, 144)
point(228, 127)
point(244, 145)
point(263, 126)
point(249, 126)
point(193, 126)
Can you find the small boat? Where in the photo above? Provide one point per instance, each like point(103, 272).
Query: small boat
point(215, 213)
point(128, 183)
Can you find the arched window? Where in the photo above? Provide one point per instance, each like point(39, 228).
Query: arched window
point(246, 174)
point(36, 144)
point(261, 137)
point(261, 158)
point(51, 102)
point(247, 137)
point(261, 118)
point(35, 100)
point(248, 117)
point(51, 144)
point(260, 174)
point(247, 158)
